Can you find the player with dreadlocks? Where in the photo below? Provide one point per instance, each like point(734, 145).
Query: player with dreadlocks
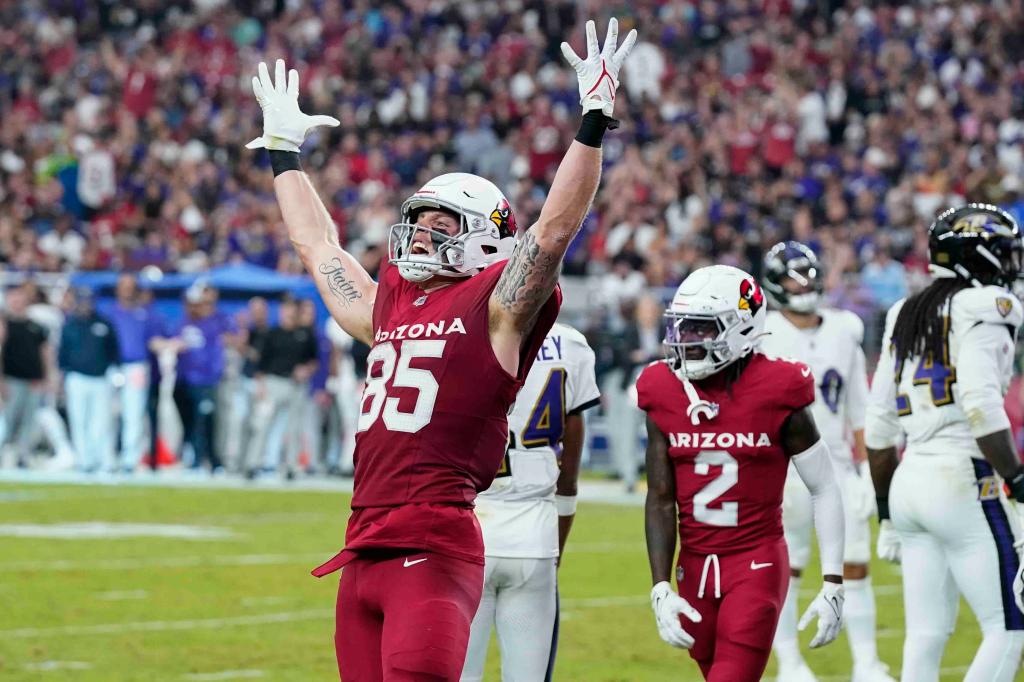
point(947, 357)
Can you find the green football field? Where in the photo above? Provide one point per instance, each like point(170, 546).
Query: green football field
point(214, 584)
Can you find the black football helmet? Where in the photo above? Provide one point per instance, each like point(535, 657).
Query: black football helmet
point(795, 261)
point(980, 243)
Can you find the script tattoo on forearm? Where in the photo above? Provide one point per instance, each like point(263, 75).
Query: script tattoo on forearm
point(529, 278)
point(341, 286)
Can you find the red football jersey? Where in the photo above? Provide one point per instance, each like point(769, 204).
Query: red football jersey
point(729, 470)
point(433, 424)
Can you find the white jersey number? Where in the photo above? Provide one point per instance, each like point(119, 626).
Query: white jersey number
point(404, 377)
point(728, 514)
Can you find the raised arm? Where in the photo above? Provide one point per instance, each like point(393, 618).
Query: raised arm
point(345, 286)
point(532, 272)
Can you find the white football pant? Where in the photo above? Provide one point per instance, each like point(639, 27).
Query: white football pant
point(958, 532)
point(520, 600)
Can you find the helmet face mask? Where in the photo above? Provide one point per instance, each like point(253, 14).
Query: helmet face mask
point(980, 243)
point(715, 318)
point(486, 232)
point(446, 251)
point(794, 278)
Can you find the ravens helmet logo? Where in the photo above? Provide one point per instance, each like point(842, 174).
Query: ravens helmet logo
point(503, 218)
point(751, 297)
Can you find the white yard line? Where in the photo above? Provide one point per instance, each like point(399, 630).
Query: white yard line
point(224, 675)
point(54, 666)
point(169, 625)
point(123, 595)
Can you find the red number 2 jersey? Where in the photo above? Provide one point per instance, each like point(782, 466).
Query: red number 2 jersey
point(729, 470)
point(433, 423)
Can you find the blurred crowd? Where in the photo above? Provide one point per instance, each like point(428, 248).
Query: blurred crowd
point(112, 386)
point(846, 125)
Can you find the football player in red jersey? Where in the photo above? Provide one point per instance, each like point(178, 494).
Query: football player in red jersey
point(723, 423)
point(454, 322)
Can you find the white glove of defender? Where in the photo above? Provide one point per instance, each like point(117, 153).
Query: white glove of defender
point(667, 607)
point(284, 125)
point(888, 546)
point(598, 74)
point(828, 607)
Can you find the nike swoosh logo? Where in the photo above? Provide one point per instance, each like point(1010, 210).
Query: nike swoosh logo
point(806, 371)
point(408, 563)
point(754, 566)
point(834, 603)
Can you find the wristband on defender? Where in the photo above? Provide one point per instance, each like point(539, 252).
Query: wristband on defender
point(592, 128)
point(281, 161)
point(565, 504)
point(883, 508)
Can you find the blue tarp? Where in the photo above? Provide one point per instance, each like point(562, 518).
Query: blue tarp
point(236, 284)
point(242, 278)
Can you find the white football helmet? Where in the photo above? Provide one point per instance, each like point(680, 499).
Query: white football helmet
point(716, 317)
point(487, 229)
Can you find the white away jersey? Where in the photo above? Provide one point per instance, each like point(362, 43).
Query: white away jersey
point(833, 352)
point(517, 513)
point(943, 404)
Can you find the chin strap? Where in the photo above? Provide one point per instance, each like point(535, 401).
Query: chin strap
point(698, 406)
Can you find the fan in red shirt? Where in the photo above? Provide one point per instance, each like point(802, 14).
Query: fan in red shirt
point(455, 322)
point(723, 423)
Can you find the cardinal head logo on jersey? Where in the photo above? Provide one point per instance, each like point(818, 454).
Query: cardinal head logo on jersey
point(503, 217)
point(751, 298)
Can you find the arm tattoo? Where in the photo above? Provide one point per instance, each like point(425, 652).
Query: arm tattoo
point(341, 286)
point(529, 278)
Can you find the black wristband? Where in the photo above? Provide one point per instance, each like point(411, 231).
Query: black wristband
point(281, 161)
point(592, 128)
point(883, 508)
point(1017, 485)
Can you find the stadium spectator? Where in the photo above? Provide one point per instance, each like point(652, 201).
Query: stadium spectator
point(135, 326)
point(288, 355)
point(201, 336)
point(45, 309)
point(27, 367)
point(89, 348)
point(255, 323)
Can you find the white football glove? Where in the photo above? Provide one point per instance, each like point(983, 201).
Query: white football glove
point(888, 546)
point(667, 607)
point(828, 607)
point(284, 125)
point(598, 74)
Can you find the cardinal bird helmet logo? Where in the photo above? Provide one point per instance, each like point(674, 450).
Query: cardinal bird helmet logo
point(503, 218)
point(751, 298)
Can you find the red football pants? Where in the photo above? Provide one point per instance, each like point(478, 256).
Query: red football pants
point(405, 617)
point(739, 597)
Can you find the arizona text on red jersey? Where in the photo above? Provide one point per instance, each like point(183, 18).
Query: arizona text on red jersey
point(433, 423)
point(729, 470)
